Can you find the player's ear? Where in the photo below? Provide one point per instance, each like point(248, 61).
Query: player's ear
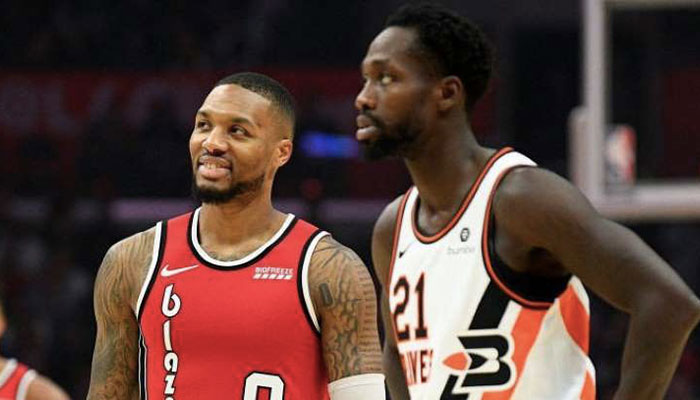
point(451, 93)
point(283, 152)
point(3, 321)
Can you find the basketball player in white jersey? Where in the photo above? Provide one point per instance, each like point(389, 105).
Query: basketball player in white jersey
point(18, 382)
point(482, 261)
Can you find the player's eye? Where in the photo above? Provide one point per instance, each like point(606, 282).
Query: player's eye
point(237, 130)
point(201, 125)
point(386, 79)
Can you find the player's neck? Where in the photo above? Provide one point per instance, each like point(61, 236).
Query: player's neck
point(444, 168)
point(235, 222)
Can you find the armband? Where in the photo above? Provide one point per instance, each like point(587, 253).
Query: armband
point(365, 386)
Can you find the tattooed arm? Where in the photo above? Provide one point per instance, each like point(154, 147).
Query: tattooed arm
point(114, 361)
point(343, 295)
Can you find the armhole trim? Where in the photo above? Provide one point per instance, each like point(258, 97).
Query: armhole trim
point(7, 371)
point(397, 232)
point(143, 355)
point(307, 304)
point(156, 257)
point(486, 251)
point(24, 383)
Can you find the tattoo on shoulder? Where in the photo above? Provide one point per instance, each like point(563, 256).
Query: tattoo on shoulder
point(326, 295)
point(331, 252)
point(344, 291)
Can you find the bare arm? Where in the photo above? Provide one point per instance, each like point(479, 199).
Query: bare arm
point(382, 242)
point(343, 295)
point(614, 263)
point(43, 388)
point(114, 361)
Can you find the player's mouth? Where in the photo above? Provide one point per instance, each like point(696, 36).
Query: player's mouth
point(366, 128)
point(213, 168)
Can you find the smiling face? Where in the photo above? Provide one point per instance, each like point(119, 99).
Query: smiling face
point(395, 103)
point(239, 141)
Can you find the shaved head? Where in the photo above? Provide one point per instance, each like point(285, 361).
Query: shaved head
point(268, 88)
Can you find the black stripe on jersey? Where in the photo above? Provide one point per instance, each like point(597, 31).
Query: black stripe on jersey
point(142, 367)
point(300, 273)
point(161, 251)
point(491, 308)
point(528, 286)
point(239, 266)
point(488, 315)
point(447, 390)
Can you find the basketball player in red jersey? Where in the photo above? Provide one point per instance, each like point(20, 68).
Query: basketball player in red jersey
point(481, 262)
point(18, 382)
point(236, 300)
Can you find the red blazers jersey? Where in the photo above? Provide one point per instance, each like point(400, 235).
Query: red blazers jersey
point(14, 380)
point(243, 329)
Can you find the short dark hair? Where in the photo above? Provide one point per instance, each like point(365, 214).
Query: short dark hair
point(267, 88)
point(452, 43)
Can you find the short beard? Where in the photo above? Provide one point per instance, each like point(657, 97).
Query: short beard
point(389, 146)
point(216, 196)
point(382, 148)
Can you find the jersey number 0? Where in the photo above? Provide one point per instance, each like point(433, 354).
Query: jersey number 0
point(257, 380)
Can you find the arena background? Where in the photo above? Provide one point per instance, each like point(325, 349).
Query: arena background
point(97, 100)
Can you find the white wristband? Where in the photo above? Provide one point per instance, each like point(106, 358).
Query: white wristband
point(365, 387)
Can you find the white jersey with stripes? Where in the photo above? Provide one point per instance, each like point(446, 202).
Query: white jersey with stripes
point(470, 328)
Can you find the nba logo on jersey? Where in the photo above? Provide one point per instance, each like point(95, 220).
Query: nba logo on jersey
point(464, 235)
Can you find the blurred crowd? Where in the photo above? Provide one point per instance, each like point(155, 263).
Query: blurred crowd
point(138, 34)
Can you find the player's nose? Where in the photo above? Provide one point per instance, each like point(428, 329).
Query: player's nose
point(216, 141)
point(366, 99)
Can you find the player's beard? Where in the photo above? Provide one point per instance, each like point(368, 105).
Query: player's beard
point(218, 196)
point(391, 142)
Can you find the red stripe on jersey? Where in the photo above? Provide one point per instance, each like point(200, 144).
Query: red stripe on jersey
point(9, 387)
point(575, 317)
point(525, 332)
point(588, 391)
point(216, 332)
point(397, 232)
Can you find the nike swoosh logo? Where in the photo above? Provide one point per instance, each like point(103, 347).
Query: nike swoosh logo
point(165, 272)
point(401, 253)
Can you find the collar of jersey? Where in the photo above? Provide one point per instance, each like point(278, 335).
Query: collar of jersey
point(258, 253)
